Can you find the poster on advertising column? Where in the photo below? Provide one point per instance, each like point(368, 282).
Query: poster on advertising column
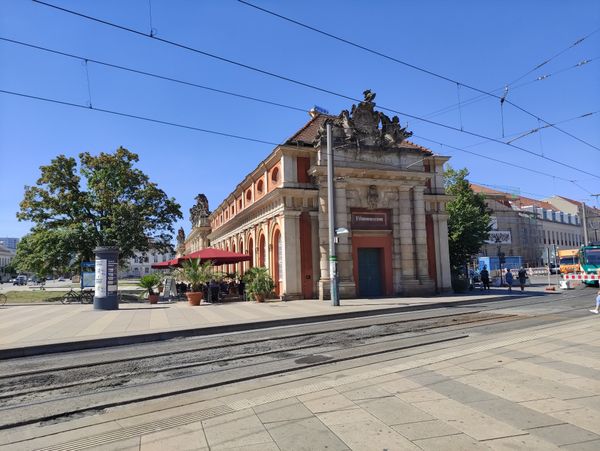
point(101, 276)
point(111, 277)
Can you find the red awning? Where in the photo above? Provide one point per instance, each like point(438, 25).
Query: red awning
point(166, 264)
point(217, 256)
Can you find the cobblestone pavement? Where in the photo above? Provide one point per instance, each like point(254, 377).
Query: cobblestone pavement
point(532, 389)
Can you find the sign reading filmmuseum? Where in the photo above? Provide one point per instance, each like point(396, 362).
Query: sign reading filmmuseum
point(370, 219)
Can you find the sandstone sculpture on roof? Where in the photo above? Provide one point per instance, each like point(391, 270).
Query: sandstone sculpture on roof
point(360, 126)
point(200, 210)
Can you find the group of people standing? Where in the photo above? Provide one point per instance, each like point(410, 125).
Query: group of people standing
point(484, 274)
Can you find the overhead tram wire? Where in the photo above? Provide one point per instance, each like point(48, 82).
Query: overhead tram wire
point(260, 141)
point(301, 83)
point(150, 74)
point(245, 97)
point(412, 66)
point(543, 63)
point(479, 97)
point(242, 96)
point(135, 116)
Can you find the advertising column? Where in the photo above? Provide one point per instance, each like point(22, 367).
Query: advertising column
point(105, 296)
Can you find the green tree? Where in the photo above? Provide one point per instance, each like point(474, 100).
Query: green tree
point(468, 218)
point(105, 201)
point(45, 252)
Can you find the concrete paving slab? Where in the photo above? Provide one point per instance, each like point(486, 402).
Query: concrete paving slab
point(238, 429)
point(393, 411)
point(593, 445)
point(584, 418)
point(360, 430)
point(468, 420)
point(283, 410)
point(425, 429)
point(501, 388)
point(461, 442)
point(523, 442)
point(514, 414)
point(564, 434)
point(326, 401)
point(305, 434)
point(461, 392)
point(186, 438)
point(363, 393)
point(421, 395)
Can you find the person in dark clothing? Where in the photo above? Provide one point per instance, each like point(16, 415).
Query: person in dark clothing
point(522, 275)
point(485, 278)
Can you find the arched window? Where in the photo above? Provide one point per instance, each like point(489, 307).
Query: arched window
point(249, 195)
point(260, 186)
point(275, 176)
point(232, 210)
point(239, 204)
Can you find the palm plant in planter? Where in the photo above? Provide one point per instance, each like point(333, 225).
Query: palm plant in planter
point(148, 283)
point(259, 283)
point(196, 274)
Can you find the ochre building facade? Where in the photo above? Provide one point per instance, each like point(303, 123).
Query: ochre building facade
point(389, 195)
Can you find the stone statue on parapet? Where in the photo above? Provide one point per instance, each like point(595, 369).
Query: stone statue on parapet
point(391, 130)
point(180, 241)
point(360, 127)
point(199, 210)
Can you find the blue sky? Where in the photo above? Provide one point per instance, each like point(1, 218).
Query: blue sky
point(484, 44)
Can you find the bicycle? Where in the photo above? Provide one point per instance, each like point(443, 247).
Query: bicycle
point(83, 297)
point(2, 299)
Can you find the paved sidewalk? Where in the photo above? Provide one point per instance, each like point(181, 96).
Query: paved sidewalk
point(536, 389)
point(32, 329)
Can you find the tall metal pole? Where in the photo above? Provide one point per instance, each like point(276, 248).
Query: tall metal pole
point(585, 230)
point(335, 300)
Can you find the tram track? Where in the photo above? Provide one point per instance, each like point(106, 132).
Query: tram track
point(148, 382)
point(86, 399)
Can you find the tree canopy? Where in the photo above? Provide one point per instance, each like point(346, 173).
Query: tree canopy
point(105, 201)
point(468, 218)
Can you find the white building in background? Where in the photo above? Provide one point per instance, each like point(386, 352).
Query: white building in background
point(6, 256)
point(140, 264)
point(10, 243)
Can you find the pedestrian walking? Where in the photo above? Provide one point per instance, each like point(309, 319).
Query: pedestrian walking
point(522, 275)
point(597, 304)
point(485, 278)
point(509, 279)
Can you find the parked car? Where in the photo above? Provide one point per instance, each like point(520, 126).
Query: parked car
point(61, 279)
point(20, 280)
point(554, 269)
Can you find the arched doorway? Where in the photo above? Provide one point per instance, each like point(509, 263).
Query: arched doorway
point(251, 252)
point(261, 250)
point(277, 266)
point(232, 268)
point(242, 265)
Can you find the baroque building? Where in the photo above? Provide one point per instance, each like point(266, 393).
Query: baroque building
point(389, 196)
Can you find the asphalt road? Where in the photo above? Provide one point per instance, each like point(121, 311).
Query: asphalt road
point(59, 386)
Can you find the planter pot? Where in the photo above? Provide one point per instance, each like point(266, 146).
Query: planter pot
point(153, 298)
point(194, 297)
point(259, 297)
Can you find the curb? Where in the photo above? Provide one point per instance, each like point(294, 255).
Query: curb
point(28, 351)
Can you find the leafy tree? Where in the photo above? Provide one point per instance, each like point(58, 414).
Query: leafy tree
point(468, 218)
point(104, 202)
point(45, 252)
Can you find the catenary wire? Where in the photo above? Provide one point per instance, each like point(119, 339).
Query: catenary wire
point(301, 83)
point(479, 97)
point(230, 135)
point(134, 116)
point(412, 66)
point(150, 74)
point(220, 91)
